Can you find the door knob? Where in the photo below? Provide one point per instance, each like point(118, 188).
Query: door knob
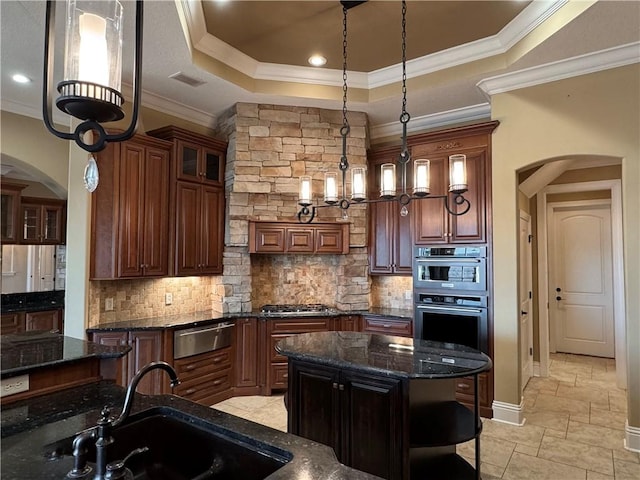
point(558, 289)
point(558, 298)
point(522, 312)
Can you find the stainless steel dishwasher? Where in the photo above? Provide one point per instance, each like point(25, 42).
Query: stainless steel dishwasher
point(207, 338)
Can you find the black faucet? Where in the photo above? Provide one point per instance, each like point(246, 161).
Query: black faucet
point(102, 432)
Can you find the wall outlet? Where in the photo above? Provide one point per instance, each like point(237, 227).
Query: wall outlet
point(168, 298)
point(108, 304)
point(10, 386)
point(408, 295)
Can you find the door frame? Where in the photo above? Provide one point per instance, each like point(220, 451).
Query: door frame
point(614, 186)
point(528, 251)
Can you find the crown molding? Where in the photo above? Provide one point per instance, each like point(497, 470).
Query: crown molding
point(179, 110)
point(426, 122)
point(532, 16)
point(581, 65)
point(26, 110)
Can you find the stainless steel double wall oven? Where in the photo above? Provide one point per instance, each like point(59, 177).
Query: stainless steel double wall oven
point(450, 295)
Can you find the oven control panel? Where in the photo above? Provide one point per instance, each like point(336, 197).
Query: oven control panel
point(459, 300)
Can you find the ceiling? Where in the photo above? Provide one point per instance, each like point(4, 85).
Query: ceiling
point(256, 51)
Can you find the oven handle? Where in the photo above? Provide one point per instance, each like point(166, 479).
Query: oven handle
point(450, 309)
point(448, 260)
point(202, 330)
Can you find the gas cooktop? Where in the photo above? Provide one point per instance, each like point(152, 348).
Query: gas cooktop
point(295, 310)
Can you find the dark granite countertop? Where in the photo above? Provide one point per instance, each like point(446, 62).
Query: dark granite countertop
point(28, 427)
point(24, 352)
point(186, 320)
point(384, 354)
point(32, 302)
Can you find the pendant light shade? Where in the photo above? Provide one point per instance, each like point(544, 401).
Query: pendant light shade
point(458, 173)
point(358, 184)
point(388, 180)
point(331, 187)
point(421, 180)
point(304, 198)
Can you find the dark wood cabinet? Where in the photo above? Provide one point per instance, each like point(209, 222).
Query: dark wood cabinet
point(347, 323)
point(50, 320)
point(387, 325)
point(129, 211)
point(197, 201)
point(12, 323)
point(289, 237)
point(390, 237)
point(205, 378)
point(42, 221)
point(199, 229)
point(359, 415)
point(10, 212)
point(247, 355)
point(432, 224)
point(146, 346)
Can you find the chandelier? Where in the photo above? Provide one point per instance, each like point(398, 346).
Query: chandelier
point(90, 89)
point(388, 182)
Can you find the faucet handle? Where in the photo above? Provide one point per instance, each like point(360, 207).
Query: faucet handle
point(117, 471)
point(105, 415)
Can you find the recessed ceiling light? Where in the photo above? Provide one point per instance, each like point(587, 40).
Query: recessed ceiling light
point(19, 78)
point(317, 60)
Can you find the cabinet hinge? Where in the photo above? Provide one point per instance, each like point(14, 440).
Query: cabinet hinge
point(530, 238)
point(530, 294)
point(530, 350)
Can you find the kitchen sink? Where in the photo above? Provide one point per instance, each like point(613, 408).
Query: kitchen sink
point(181, 446)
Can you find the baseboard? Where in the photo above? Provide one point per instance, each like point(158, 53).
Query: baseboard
point(631, 438)
point(508, 413)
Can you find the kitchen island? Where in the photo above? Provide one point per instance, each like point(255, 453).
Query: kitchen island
point(37, 434)
point(385, 404)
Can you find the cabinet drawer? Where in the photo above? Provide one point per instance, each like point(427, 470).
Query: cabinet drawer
point(301, 326)
point(279, 375)
point(198, 365)
point(465, 390)
point(403, 328)
point(205, 386)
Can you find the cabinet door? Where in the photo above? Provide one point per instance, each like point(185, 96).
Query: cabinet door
point(403, 242)
point(268, 239)
point(348, 323)
point(372, 424)
point(146, 347)
point(49, 320)
point(381, 238)
point(470, 227)
point(188, 161)
point(188, 236)
point(212, 229)
point(330, 240)
point(247, 352)
point(115, 339)
point(299, 240)
point(313, 404)
point(9, 212)
point(212, 167)
point(31, 223)
point(156, 213)
point(12, 323)
point(52, 224)
point(131, 206)
point(430, 219)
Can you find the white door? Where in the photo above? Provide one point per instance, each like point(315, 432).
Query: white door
point(525, 300)
point(47, 267)
point(581, 280)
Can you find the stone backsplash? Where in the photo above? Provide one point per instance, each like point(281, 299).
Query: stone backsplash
point(392, 292)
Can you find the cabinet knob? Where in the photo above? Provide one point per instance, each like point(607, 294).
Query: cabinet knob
point(335, 385)
point(341, 387)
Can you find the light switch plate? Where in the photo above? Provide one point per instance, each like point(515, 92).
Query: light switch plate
point(108, 304)
point(407, 295)
point(13, 385)
point(168, 298)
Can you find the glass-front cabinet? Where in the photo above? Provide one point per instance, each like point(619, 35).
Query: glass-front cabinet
point(199, 164)
point(9, 209)
point(42, 221)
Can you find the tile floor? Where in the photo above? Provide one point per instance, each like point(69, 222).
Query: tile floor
point(574, 427)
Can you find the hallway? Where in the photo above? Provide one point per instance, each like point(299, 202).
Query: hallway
point(574, 427)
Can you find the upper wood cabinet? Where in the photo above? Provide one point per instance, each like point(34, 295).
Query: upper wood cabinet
point(197, 201)
point(10, 212)
point(290, 237)
point(42, 220)
point(130, 210)
point(389, 231)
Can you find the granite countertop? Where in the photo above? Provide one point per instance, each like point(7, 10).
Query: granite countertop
point(23, 352)
point(27, 428)
point(32, 302)
point(384, 354)
point(186, 320)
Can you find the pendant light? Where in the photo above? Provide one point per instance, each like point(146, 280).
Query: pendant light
point(388, 171)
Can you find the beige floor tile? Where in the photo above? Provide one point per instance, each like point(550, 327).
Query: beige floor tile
point(572, 368)
point(489, 471)
point(595, 435)
point(526, 449)
point(543, 418)
point(598, 476)
point(576, 454)
point(524, 467)
point(617, 401)
point(527, 434)
point(608, 418)
point(594, 396)
point(563, 377)
point(626, 455)
point(542, 384)
point(552, 403)
point(580, 417)
point(626, 470)
point(492, 450)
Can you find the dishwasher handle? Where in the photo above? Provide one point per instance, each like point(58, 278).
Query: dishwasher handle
point(196, 331)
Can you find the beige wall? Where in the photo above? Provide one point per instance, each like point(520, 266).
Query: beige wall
point(593, 114)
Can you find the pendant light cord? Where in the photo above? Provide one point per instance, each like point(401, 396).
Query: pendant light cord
point(344, 131)
point(405, 156)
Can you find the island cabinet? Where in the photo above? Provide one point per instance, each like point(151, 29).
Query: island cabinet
point(42, 221)
point(197, 199)
point(290, 237)
point(357, 414)
point(390, 237)
point(43, 320)
point(432, 224)
point(146, 346)
point(247, 355)
point(130, 225)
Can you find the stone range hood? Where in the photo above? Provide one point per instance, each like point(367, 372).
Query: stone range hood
point(270, 147)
